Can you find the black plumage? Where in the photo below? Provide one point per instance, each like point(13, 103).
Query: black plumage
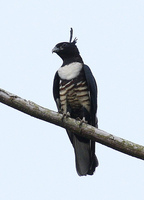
point(75, 93)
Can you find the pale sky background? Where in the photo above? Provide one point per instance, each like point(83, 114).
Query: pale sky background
point(36, 158)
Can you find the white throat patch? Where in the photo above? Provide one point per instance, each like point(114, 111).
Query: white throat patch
point(70, 71)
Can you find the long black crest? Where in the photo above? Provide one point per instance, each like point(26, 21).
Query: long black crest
point(71, 36)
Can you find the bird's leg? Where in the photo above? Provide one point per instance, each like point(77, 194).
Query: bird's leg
point(65, 115)
point(65, 112)
point(84, 114)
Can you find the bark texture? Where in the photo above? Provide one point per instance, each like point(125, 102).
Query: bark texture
point(84, 130)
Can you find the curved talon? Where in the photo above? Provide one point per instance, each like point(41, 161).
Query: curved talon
point(83, 121)
point(65, 115)
point(79, 119)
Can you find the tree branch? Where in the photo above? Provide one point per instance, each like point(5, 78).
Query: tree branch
point(84, 130)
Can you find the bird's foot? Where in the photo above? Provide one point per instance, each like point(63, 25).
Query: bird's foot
point(83, 121)
point(65, 115)
point(79, 119)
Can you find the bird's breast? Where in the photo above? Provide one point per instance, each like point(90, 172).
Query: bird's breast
point(74, 93)
point(70, 71)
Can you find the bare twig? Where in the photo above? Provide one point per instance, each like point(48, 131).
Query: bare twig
point(85, 130)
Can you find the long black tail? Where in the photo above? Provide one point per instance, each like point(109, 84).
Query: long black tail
point(85, 157)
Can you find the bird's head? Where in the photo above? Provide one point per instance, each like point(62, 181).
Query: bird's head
point(67, 50)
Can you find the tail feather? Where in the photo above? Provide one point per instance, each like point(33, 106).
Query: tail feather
point(82, 155)
point(85, 158)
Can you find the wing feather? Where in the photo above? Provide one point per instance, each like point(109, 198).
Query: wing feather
point(92, 86)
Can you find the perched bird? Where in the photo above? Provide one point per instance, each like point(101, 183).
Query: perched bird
point(75, 94)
